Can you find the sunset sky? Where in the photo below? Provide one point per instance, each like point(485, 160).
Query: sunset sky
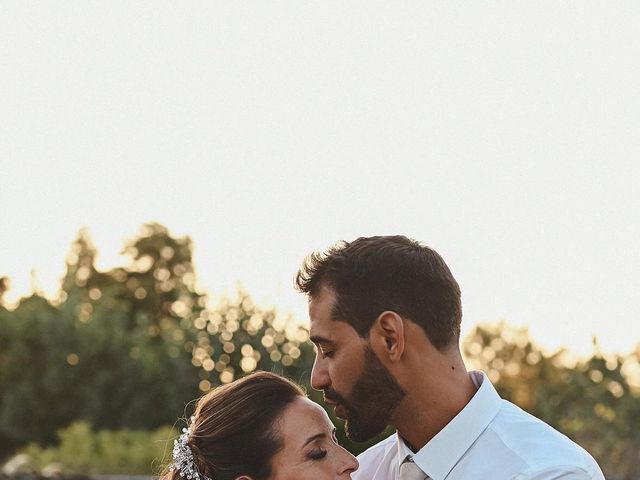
point(506, 135)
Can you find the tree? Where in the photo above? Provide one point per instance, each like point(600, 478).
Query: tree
point(130, 326)
point(4, 286)
point(111, 349)
point(33, 367)
point(239, 337)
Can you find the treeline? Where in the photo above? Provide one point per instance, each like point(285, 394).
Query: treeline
point(131, 346)
point(128, 349)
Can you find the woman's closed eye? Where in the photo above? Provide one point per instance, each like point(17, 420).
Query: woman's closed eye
point(317, 453)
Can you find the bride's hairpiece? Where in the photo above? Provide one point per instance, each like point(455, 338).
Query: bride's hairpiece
point(183, 457)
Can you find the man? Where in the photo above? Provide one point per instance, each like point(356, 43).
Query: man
point(385, 318)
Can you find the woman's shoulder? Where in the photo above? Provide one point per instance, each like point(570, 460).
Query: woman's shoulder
point(376, 457)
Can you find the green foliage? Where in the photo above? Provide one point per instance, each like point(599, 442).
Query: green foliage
point(81, 450)
point(4, 286)
point(110, 351)
point(239, 337)
point(596, 402)
point(33, 338)
point(132, 346)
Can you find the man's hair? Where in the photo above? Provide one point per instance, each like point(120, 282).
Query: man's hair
point(373, 274)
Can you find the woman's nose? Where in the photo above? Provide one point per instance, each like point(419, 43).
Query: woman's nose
point(350, 464)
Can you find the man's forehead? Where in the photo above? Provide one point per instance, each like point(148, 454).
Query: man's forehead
point(324, 294)
point(329, 330)
point(323, 326)
point(323, 330)
point(321, 304)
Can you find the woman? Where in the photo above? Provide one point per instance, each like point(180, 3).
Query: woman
point(260, 427)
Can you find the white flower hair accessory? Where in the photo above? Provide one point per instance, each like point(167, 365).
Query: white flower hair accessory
point(183, 457)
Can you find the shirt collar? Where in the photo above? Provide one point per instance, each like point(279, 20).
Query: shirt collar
point(438, 457)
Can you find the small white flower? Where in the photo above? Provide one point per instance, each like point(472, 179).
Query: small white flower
point(183, 457)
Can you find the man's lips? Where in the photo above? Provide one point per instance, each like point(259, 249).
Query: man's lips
point(339, 411)
point(337, 407)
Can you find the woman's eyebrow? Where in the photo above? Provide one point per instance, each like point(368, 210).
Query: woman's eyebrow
point(314, 437)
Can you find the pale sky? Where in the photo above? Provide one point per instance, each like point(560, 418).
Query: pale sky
point(506, 135)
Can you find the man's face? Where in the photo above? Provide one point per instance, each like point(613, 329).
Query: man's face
point(352, 377)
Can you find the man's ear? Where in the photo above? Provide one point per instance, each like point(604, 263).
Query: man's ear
point(387, 334)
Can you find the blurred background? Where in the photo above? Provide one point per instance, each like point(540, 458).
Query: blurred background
point(165, 168)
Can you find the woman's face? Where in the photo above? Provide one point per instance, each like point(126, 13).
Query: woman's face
point(310, 449)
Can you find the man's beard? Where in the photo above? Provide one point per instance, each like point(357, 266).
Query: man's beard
point(373, 399)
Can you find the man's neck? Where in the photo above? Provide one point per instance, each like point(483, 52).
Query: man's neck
point(429, 407)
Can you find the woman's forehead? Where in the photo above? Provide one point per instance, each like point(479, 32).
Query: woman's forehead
point(303, 414)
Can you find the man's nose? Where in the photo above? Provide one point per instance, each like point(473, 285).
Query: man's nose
point(319, 374)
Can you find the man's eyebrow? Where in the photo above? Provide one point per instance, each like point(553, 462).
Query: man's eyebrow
point(317, 339)
point(314, 437)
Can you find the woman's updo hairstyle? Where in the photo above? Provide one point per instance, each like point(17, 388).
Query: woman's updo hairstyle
point(235, 429)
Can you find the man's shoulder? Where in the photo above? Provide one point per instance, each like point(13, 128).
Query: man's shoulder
point(520, 430)
point(536, 443)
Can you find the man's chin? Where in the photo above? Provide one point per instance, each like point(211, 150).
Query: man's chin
point(361, 433)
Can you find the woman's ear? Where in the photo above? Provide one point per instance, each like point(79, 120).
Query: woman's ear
point(387, 335)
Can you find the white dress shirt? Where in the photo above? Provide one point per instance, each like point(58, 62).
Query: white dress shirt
point(490, 439)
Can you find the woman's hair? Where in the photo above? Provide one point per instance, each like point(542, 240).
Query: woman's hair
point(235, 429)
